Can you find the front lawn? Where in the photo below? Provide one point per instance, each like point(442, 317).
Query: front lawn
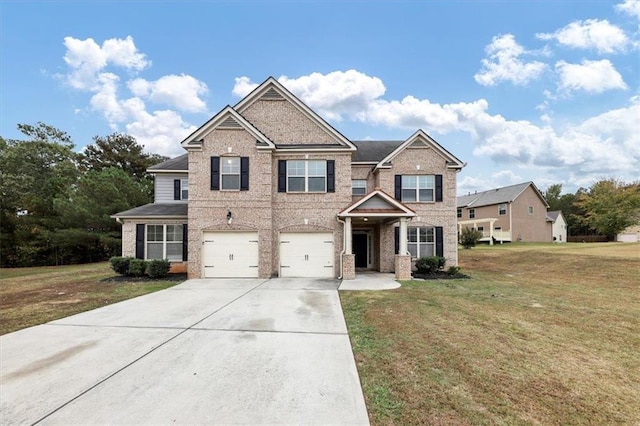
point(540, 334)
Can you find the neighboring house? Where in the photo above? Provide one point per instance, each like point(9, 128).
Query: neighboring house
point(558, 226)
point(268, 188)
point(511, 213)
point(629, 235)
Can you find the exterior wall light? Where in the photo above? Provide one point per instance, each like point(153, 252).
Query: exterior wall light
point(229, 217)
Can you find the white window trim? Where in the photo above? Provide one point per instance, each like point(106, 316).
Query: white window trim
point(222, 173)
point(164, 241)
point(307, 176)
point(418, 242)
point(418, 188)
point(184, 188)
point(360, 181)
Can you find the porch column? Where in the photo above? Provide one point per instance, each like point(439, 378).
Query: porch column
point(403, 237)
point(491, 232)
point(347, 236)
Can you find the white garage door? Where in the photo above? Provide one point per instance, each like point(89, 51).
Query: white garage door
point(628, 238)
point(306, 255)
point(230, 255)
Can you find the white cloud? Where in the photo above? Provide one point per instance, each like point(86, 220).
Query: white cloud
point(504, 63)
point(180, 91)
point(589, 76)
point(160, 131)
point(599, 35)
point(243, 86)
point(630, 7)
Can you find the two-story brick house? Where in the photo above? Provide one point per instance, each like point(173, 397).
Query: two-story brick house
point(268, 188)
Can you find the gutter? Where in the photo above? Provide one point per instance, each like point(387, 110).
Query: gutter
point(344, 245)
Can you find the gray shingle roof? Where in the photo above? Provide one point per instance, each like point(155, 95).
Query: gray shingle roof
point(178, 164)
point(505, 194)
point(553, 215)
point(155, 210)
point(373, 151)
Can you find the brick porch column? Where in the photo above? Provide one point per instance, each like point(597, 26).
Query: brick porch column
point(348, 266)
point(403, 267)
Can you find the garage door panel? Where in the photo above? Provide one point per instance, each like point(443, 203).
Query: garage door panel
point(230, 255)
point(307, 255)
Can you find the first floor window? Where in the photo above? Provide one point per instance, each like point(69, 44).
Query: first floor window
point(358, 187)
point(421, 242)
point(164, 242)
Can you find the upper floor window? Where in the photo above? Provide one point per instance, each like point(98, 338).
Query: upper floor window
point(502, 208)
point(358, 187)
point(181, 189)
point(230, 173)
point(459, 213)
point(418, 188)
point(306, 176)
point(531, 210)
point(472, 213)
point(164, 242)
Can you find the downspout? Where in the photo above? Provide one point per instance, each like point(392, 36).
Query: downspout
point(344, 244)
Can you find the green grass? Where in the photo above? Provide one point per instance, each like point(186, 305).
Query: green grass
point(33, 296)
point(541, 334)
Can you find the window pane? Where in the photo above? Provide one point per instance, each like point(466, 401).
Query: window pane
point(154, 251)
point(430, 235)
point(296, 184)
point(409, 182)
point(184, 189)
point(155, 232)
point(174, 233)
point(174, 251)
point(413, 249)
point(230, 181)
point(408, 195)
point(426, 195)
point(426, 250)
point(427, 181)
point(316, 184)
point(295, 168)
point(230, 165)
point(412, 234)
point(317, 168)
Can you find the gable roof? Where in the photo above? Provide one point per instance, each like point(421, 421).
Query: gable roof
point(552, 216)
point(177, 164)
point(153, 210)
point(501, 195)
point(373, 151)
point(274, 88)
point(385, 205)
point(195, 139)
point(452, 161)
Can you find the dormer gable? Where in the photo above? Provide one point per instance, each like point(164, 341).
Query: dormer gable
point(228, 119)
point(420, 139)
point(377, 203)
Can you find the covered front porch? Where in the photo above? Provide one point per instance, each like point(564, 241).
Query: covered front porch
point(369, 236)
point(490, 235)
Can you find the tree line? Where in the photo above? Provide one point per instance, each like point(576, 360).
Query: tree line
point(56, 203)
point(605, 208)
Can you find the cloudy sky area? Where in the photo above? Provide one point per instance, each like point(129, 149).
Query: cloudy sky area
point(547, 91)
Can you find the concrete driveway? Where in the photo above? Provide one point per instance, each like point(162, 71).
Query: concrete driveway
point(203, 352)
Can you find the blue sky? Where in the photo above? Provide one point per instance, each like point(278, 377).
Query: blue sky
point(547, 91)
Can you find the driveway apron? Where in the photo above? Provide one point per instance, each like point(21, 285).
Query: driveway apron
point(203, 352)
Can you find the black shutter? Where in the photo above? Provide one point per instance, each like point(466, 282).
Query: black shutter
point(176, 189)
point(396, 239)
point(185, 242)
point(439, 242)
point(438, 187)
point(398, 187)
point(140, 241)
point(282, 175)
point(215, 173)
point(244, 173)
point(331, 176)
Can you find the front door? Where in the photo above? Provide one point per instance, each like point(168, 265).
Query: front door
point(360, 249)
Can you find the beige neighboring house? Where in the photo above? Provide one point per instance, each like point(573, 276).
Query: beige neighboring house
point(268, 188)
point(511, 213)
point(558, 226)
point(629, 235)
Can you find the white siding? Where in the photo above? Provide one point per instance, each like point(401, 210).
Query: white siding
point(164, 187)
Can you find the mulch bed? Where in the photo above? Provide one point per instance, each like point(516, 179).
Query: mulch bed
point(125, 278)
point(440, 275)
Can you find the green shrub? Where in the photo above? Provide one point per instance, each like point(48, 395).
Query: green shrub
point(137, 267)
point(469, 237)
point(430, 264)
point(453, 270)
point(120, 264)
point(158, 268)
